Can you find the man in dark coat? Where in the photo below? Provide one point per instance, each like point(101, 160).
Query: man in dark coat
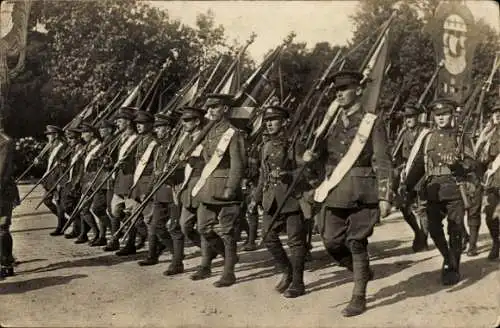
point(9, 198)
point(219, 189)
point(354, 194)
point(276, 173)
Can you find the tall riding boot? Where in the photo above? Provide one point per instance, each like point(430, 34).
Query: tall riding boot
point(217, 244)
point(84, 230)
point(129, 248)
point(228, 278)
point(241, 226)
point(6, 257)
point(494, 228)
point(297, 287)
point(113, 243)
point(342, 255)
point(283, 264)
point(176, 266)
point(361, 276)
point(456, 240)
point(207, 254)
point(474, 234)
point(411, 219)
point(424, 226)
point(253, 223)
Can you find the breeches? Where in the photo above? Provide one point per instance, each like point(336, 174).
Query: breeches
point(216, 218)
point(292, 222)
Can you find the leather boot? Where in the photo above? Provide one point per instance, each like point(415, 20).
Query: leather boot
point(297, 287)
point(129, 248)
point(228, 278)
point(494, 228)
point(361, 275)
point(113, 245)
point(176, 266)
point(207, 254)
point(453, 271)
point(251, 245)
point(148, 261)
point(356, 306)
point(75, 230)
point(474, 233)
point(58, 231)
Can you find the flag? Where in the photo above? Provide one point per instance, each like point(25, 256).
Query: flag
point(375, 72)
point(455, 36)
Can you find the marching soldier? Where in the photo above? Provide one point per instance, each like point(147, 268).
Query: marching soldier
point(71, 184)
point(219, 190)
point(164, 209)
point(413, 212)
point(438, 156)
point(192, 121)
point(141, 181)
point(57, 146)
point(124, 176)
point(488, 148)
point(9, 198)
point(276, 173)
point(351, 206)
point(95, 209)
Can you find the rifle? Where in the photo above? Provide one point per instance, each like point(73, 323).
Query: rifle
point(162, 179)
point(423, 116)
point(366, 69)
point(42, 152)
point(115, 168)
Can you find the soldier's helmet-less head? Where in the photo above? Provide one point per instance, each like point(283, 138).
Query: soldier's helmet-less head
point(496, 113)
point(410, 114)
point(88, 131)
point(144, 121)
point(52, 132)
point(192, 117)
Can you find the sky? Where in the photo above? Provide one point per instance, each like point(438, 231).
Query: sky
point(313, 21)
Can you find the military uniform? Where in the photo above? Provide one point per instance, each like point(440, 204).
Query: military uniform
point(95, 209)
point(220, 194)
point(9, 198)
point(164, 208)
point(142, 176)
point(437, 157)
point(54, 155)
point(351, 209)
point(412, 209)
point(122, 181)
point(70, 186)
point(491, 203)
point(276, 173)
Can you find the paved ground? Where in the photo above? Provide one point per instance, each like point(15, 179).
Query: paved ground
point(59, 283)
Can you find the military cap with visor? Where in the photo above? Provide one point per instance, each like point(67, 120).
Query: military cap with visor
point(214, 99)
point(189, 113)
point(87, 127)
point(345, 79)
point(127, 113)
point(106, 124)
point(164, 120)
point(275, 112)
point(52, 129)
point(73, 133)
point(410, 110)
point(144, 117)
point(443, 106)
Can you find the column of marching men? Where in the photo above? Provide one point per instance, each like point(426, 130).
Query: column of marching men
point(215, 194)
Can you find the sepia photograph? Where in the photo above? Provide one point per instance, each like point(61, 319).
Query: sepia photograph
point(241, 164)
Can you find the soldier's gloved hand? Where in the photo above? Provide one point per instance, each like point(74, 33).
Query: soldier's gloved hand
point(192, 161)
point(385, 208)
point(182, 157)
point(36, 161)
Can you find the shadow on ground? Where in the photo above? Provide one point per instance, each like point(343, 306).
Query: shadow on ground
point(19, 287)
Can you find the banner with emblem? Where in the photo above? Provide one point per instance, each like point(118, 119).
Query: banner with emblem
point(455, 36)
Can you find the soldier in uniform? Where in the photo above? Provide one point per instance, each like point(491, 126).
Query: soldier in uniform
point(219, 190)
point(438, 157)
point(57, 145)
point(141, 181)
point(276, 173)
point(351, 208)
point(70, 186)
point(488, 150)
point(410, 207)
point(95, 209)
point(192, 121)
point(9, 198)
point(164, 209)
point(125, 162)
